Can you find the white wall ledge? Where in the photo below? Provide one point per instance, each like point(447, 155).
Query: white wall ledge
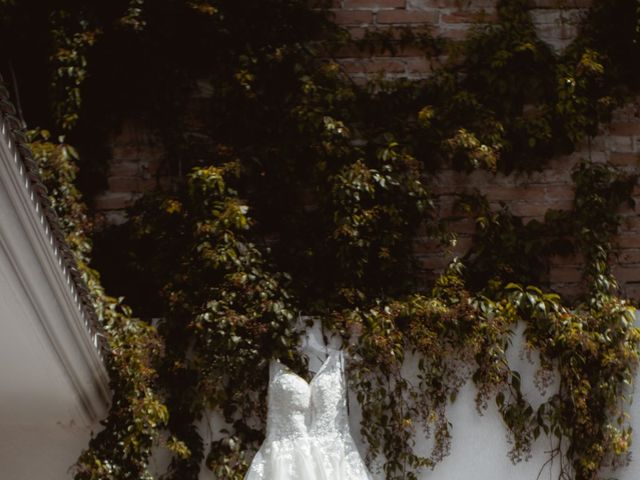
point(37, 260)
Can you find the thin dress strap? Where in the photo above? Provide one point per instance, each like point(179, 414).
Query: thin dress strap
point(274, 368)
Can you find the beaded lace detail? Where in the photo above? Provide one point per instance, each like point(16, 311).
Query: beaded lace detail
point(288, 404)
point(308, 434)
point(330, 422)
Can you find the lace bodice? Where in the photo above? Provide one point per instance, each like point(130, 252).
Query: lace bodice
point(329, 398)
point(330, 422)
point(307, 428)
point(288, 403)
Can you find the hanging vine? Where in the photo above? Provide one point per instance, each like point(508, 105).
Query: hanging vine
point(137, 414)
point(310, 197)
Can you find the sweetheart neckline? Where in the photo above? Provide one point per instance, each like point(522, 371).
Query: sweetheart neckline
point(324, 364)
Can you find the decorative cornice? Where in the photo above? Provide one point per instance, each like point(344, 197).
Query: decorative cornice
point(13, 134)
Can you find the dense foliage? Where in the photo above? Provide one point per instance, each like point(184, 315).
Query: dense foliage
point(121, 449)
point(308, 198)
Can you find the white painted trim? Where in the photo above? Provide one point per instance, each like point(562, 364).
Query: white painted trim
point(65, 323)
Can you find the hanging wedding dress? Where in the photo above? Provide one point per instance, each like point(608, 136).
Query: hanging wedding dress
point(308, 434)
point(329, 428)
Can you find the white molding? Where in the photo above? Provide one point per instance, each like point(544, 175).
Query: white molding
point(64, 322)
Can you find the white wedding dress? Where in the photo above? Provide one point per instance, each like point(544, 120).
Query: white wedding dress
point(308, 435)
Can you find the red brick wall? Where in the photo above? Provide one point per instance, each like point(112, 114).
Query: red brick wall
point(446, 18)
point(135, 167)
point(137, 160)
point(531, 195)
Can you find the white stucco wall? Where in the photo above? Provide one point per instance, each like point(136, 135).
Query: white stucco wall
point(479, 443)
point(43, 425)
point(53, 383)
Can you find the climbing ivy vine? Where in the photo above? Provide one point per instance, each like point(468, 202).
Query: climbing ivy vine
point(309, 198)
point(121, 450)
